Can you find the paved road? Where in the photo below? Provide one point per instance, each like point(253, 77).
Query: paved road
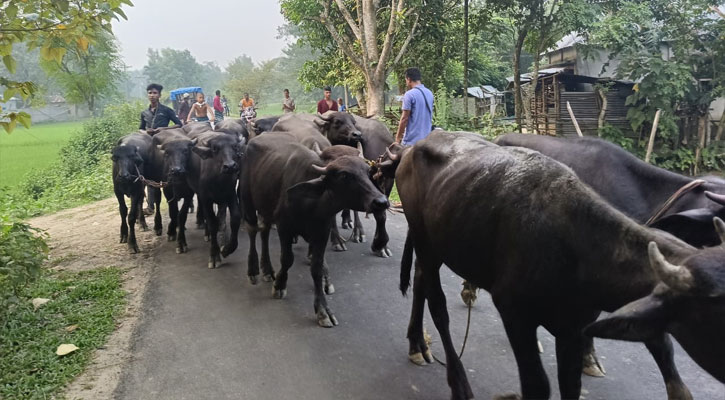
point(208, 334)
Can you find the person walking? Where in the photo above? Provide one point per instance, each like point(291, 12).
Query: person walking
point(218, 108)
point(155, 117)
point(200, 110)
point(326, 104)
point(288, 104)
point(225, 104)
point(416, 122)
point(184, 107)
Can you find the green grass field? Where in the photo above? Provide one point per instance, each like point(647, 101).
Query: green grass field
point(33, 148)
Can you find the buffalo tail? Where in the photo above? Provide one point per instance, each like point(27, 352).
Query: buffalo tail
point(406, 263)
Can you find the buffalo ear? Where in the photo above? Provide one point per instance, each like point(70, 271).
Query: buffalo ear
point(202, 151)
point(309, 191)
point(637, 321)
point(322, 123)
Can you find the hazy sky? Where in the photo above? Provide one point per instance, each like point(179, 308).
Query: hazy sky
point(212, 30)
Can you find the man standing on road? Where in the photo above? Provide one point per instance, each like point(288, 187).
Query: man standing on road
point(288, 104)
point(416, 122)
point(155, 117)
point(218, 108)
point(326, 104)
point(184, 107)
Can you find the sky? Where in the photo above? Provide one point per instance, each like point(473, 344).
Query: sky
point(212, 30)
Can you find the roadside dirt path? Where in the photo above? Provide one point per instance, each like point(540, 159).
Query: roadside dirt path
point(85, 238)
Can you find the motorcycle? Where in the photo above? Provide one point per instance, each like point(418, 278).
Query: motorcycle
point(249, 113)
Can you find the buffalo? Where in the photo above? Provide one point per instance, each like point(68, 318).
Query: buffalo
point(550, 251)
point(285, 183)
point(128, 157)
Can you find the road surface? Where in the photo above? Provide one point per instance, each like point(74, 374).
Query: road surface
point(209, 334)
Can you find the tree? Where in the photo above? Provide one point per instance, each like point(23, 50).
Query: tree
point(89, 75)
point(173, 68)
point(353, 27)
point(50, 26)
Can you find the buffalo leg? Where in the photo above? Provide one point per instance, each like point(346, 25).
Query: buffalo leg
point(267, 269)
point(213, 226)
point(358, 233)
point(123, 210)
point(235, 219)
point(325, 317)
point(136, 201)
point(181, 245)
point(457, 379)
point(158, 229)
point(661, 349)
point(522, 336)
point(253, 257)
point(173, 214)
point(592, 365)
point(287, 258)
point(141, 216)
point(346, 221)
point(326, 281)
point(337, 241)
point(569, 352)
point(418, 353)
point(380, 241)
point(221, 215)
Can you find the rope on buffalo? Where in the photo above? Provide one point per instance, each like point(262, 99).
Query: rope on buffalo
point(676, 196)
point(149, 182)
point(465, 337)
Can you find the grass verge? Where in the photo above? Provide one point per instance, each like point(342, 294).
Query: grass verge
point(34, 148)
point(81, 311)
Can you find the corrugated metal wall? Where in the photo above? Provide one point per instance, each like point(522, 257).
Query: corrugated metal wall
point(586, 106)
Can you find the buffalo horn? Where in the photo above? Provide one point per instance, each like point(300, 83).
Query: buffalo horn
point(676, 277)
point(720, 228)
point(194, 141)
point(717, 198)
point(326, 116)
point(158, 146)
point(316, 148)
point(360, 150)
point(390, 155)
point(319, 169)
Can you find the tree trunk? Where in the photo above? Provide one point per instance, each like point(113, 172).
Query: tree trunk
point(720, 127)
point(532, 111)
point(362, 104)
point(465, 57)
point(700, 141)
point(375, 97)
point(518, 100)
point(602, 111)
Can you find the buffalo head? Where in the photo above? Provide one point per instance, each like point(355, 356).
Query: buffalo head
point(223, 150)
point(339, 127)
point(127, 163)
point(689, 303)
point(177, 154)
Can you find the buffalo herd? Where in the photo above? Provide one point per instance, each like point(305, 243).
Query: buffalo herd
point(557, 230)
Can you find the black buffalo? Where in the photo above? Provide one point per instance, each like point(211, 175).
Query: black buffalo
point(174, 150)
point(213, 175)
point(550, 251)
point(634, 187)
point(286, 184)
point(261, 125)
point(129, 156)
point(233, 126)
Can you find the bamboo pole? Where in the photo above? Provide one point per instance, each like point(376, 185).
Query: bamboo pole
point(573, 119)
point(651, 143)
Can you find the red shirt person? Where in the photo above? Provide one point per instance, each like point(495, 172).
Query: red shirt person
point(327, 104)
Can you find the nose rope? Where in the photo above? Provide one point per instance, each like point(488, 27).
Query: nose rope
point(149, 182)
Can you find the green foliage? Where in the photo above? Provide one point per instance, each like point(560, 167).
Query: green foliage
point(82, 173)
point(90, 301)
point(22, 252)
point(616, 136)
point(51, 26)
point(680, 160)
point(91, 75)
point(178, 68)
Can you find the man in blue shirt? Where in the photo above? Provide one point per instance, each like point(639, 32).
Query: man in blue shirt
point(417, 119)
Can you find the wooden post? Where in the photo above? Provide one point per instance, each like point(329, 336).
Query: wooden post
point(465, 57)
point(651, 143)
point(573, 119)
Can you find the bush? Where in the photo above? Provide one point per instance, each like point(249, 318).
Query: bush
point(22, 252)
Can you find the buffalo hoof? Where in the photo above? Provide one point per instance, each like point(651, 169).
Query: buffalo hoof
point(158, 232)
point(228, 249)
point(358, 237)
point(508, 396)
point(421, 358)
point(268, 277)
point(468, 294)
point(171, 238)
point(207, 238)
point(180, 249)
point(124, 239)
point(592, 366)
point(346, 225)
point(339, 247)
point(279, 293)
point(383, 253)
point(329, 288)
point(326, 319)
point(253, 279)
point(133, 248)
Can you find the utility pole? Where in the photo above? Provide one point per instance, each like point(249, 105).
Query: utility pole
point(465, 57)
